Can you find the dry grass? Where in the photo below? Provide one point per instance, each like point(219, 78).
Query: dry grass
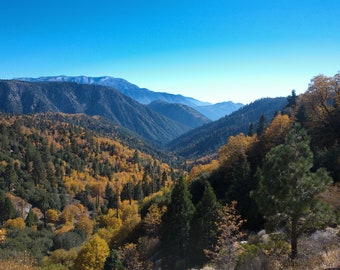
point(23, 263)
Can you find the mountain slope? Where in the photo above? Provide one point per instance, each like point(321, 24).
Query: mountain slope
point(21, 97)
point(183, 114)
point(142, 95)
point(208, 138)
point(218, 110)
point(146, 96)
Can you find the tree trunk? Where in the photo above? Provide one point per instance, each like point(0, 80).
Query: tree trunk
point(293, 238)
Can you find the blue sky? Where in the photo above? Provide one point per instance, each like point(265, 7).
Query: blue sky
point(215, 50)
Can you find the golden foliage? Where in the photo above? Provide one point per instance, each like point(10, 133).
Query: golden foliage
point(72, 212)
point(85, 224)
point(92, 255)
point(2, 235)
point(59, 257)
point(52, 216)
point(153, 220)
point(277, 131)
point(203, 168)
point(129, 214)
point(16, 223)
point(237, 146)
point(110, 220)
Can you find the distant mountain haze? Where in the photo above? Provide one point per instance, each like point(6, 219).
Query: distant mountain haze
point(208, 138)
point(20, 97)
point(181, 113)
point(146, 96)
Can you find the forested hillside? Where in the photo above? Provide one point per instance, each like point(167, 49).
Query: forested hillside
point(74, 196)
point(20, 97)
point(208, 138)
point(180, 113)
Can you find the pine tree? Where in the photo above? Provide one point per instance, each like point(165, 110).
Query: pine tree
point(203, 226)
point(176, 227)
point(113, 262)
point(261, 126)
point(287, 187)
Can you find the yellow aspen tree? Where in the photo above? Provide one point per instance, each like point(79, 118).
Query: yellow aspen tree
point(92, 255)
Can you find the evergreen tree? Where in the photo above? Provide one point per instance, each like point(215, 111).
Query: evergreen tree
point(261, 126)
point(10, 176)
point(242, 183)
point(203, 226)
point(7, 210)
point(291, 100)
point(287, 187)
point(176, 227)
point(113, 262)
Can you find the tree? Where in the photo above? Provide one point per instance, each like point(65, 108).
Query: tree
point(7, 210)
point(287, 188)
point(176, 226)
point(52, 216)
point(16, 223)
point(203, 226)
point(261, 126)
point(92, 255)
point(130, 257)
point(153, 220)
point(239, 190)
point(319, 106)
point(225, 252)
point(277, 130)
point(11, 178)
point(113, 261)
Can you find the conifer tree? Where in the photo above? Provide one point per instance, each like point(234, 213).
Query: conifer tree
point(176, 227)
point(287, 186)
point(203, 226)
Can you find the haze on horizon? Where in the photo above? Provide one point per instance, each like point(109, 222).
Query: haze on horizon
point(213, 51)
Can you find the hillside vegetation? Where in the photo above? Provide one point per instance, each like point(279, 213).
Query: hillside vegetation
point(208, 138)
point(74, 196)
point(21, 97)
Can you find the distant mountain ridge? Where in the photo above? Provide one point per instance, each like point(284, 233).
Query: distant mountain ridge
point(181, 113)
point(208, 138)
point(20, 97)
point(146, 96)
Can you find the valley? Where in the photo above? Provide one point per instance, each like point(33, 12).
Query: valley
point(92, 177)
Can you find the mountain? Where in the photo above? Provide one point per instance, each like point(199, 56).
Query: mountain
point(142, 95)
point(146, 96)
point(21, 97)
point(218, 110)
point(181, 113)
point(209, 137)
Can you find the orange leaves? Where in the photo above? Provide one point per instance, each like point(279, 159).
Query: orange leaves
point(52, 216)
point(72, 212)
point(16, 223)
point(237, 146)
point(277, 131)
point(85, 224)
point(201, 168)
point(93, 254)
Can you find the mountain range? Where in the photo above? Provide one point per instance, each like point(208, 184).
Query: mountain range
point(146, 96)
point(208, 138)
point(174, 127)
point(20, 97)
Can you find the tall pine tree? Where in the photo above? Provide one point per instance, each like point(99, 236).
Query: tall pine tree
point(203, 234)
point(176, 227)
point(287, 186)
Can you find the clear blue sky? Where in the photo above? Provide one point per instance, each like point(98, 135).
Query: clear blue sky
point(214, 50)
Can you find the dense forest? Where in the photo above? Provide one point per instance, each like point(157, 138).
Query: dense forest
point(73, 197)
